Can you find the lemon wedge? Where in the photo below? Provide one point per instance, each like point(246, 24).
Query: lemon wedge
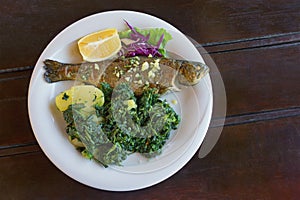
point(99, 45)
point(89, 95)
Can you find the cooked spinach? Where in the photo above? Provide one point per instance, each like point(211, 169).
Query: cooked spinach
point(125, 124)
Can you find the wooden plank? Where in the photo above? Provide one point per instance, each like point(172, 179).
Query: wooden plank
point(252, 43)
point(27, 27)
point(260, 79)
point(15, 126)
point(14, 85)
point(14, 123)
point(219, 21)
point(5, 71)
point(255, 117)
point(18, 149)
point(250, 161)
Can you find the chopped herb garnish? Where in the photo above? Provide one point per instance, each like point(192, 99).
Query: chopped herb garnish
point(65, 97)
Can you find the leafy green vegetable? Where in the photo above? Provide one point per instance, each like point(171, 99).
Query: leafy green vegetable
point(155, 34)
point(116, 130)
point(152, 36)
point(88, 130)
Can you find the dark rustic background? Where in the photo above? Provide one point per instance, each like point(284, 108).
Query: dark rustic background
point(255, 44)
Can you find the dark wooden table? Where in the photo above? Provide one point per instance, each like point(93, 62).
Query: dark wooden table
point(256, 46)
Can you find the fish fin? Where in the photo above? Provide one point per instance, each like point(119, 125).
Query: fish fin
point(51, 66)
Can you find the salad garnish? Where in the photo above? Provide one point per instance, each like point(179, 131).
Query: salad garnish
point(144, 42)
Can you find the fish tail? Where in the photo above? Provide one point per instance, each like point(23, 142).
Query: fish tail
point(53, 70)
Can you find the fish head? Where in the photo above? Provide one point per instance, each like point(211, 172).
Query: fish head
point(190, 73)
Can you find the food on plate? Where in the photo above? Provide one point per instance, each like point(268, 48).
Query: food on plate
point(110, 130)
point(139, 72)
point(99, 45)
point(117, 109)
point(86, 94)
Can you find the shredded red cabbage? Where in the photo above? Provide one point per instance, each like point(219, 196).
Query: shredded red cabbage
point(140, 45)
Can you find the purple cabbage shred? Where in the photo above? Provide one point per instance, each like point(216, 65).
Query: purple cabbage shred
point(140, 45)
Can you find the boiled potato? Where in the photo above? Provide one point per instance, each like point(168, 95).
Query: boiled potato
point(86, 94)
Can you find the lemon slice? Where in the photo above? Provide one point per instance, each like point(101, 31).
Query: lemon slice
point(87, 94)
point(99, 45)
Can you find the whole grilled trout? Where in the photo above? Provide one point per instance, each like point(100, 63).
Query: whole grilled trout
point(139, 72)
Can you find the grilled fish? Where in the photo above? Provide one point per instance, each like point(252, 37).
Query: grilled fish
point(140, 72)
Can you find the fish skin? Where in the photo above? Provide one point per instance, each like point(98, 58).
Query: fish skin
point(140, 72)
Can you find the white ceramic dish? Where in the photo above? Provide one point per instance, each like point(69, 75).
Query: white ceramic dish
point(48, 125)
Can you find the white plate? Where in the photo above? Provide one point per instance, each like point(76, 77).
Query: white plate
point(48, 125)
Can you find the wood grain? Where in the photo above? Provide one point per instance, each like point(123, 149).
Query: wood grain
point(14, 123)
point(28, 26)
point(255, 117)
point(255, 45)
point(252, 43)
point(14, 85)
point(260, 79)
point(15, 126)
point(250, 161)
